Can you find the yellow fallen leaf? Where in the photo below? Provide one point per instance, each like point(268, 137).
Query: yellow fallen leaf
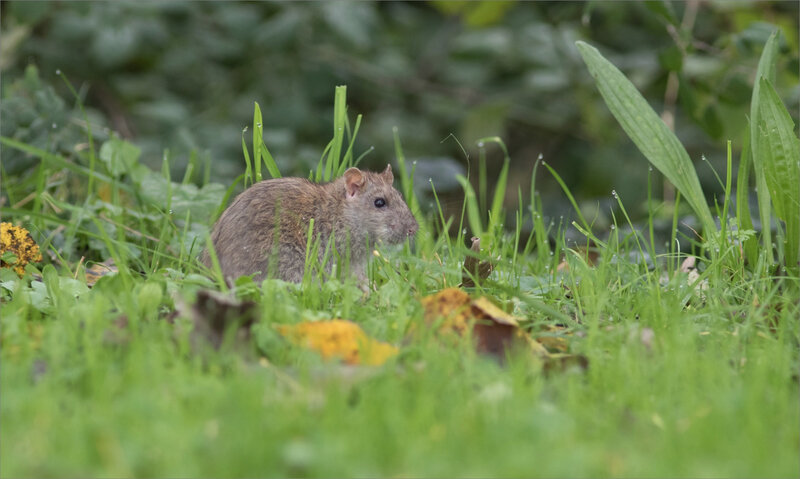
point(452, 305)
point(17, 240)
point(338, 339)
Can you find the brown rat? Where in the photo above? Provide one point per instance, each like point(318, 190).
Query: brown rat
point(265, 229)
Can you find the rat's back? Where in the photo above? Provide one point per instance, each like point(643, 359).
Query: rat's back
point(246, 236)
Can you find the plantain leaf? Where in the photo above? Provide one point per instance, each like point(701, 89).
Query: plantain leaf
point(766, 69)
point(780, 160)
point(653, 138)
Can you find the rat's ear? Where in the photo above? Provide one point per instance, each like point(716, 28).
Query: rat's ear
point(354, 180)
point(387, 174)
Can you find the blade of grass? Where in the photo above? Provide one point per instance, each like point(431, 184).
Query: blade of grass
point(260, 150)
point(248, 171)
point(471, 201)
point(743, 218)
point(348, 155)
point(496, 216)
point(406, 180)
point(60, 162)
point(571, 199)
point(258, 135)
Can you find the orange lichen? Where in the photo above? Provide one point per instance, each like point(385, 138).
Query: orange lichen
point(338, 339)
point(17, 240)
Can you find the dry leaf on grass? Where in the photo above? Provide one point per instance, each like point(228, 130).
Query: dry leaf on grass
point(338, 339)
point(494, 330)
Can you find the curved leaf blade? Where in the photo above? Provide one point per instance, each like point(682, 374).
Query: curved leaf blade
point(766, 69)
point(653, 138)
point(780, 159)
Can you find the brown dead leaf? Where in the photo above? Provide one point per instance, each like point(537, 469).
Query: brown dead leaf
point(494, 330)
point(474, 268)
point(338, 339)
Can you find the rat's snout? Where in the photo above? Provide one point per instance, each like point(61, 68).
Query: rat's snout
point(413, 226)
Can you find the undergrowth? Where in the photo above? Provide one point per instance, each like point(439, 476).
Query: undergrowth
point(692, 368)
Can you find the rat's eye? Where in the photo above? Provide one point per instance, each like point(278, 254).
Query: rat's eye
point(380, 202)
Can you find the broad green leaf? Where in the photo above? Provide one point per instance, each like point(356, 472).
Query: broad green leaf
point(201, 202)
point(8, 257)
point(766, 69)
point(39, 297)
point(780, 159)
point(653, 138)
point(119, 156)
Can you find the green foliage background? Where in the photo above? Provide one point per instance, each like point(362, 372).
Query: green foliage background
point(184, 76)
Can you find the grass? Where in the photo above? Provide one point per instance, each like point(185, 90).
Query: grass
point(693, 379)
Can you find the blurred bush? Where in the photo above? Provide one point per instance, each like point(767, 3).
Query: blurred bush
point(184, 76)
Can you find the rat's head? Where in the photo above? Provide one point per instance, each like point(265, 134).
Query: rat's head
point(374, 208)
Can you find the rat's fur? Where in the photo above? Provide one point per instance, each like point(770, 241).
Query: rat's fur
point(265, 229)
